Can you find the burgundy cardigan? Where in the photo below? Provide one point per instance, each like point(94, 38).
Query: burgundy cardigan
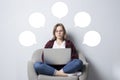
point(68, 44)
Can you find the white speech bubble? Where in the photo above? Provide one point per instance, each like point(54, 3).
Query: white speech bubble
point(92, 38)
point(37, 20)
point(82, 19)
point(59, 9)
point(27, 38)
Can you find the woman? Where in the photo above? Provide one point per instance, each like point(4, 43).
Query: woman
point(59, 41)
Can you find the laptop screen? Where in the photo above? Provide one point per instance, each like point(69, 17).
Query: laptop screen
point(58, 56)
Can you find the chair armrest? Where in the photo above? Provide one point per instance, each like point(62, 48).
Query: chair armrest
point(84, 73)
point(37, 56)
point(82, 57)
point(31, 72)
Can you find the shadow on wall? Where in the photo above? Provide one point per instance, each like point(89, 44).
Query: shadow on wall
point(93, 73)
point(70, 37)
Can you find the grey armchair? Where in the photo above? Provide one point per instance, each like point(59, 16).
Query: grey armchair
point(37, 57)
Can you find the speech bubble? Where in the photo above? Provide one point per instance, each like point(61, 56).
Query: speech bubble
point(82, 19)
point(27, 38)
point(37, 20)
point(59, 9)
point(92, 38)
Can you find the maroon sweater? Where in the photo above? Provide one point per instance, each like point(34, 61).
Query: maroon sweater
point(68, 44)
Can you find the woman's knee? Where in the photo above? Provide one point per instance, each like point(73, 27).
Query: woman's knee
point(37, 65)
point(78, 62)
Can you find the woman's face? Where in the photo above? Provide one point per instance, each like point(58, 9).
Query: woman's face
point(59, 33)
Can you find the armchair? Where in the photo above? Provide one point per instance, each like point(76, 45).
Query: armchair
point(37, 57)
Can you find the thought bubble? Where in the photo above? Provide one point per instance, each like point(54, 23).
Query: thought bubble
point(82, 19)
point(92, 38)
point(27, 38)
point(59, 9)
point(37, 20)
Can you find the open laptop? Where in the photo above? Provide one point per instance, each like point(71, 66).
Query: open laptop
point(57, 56)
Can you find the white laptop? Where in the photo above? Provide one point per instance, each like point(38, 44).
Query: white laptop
point(57, 56)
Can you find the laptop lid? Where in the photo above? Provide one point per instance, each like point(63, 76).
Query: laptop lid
point(57, 56)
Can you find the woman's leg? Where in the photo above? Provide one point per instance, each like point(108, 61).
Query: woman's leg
point(45, 69)
point(73, 66)
point(42, 68)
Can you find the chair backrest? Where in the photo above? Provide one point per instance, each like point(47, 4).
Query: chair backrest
point(82, 57)
point(37, 55)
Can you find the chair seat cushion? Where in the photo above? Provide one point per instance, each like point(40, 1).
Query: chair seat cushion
point(45, 77)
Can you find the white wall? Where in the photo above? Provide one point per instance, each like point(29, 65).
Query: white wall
point(103, 59)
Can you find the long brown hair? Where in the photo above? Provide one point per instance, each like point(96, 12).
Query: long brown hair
point(54, 29)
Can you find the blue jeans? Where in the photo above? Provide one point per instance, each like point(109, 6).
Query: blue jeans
point(71, 67)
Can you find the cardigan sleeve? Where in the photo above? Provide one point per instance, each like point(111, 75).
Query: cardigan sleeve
point(74, 54)
point(49, 44)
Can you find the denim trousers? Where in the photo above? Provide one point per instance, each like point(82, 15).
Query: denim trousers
point(70, 67)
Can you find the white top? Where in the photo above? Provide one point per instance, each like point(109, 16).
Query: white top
point(55, 45)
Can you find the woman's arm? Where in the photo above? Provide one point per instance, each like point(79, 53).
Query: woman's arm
point(49, 44)
point(74, 54)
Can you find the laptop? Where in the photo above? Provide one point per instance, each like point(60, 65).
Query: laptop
point(57, 56)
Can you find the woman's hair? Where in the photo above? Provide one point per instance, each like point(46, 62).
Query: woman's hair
point(64, 31)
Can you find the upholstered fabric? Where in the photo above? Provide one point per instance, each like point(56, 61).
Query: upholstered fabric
point(37, 57)
point(44, 77)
